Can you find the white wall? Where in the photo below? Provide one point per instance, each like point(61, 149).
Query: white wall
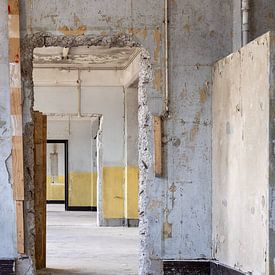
point(107, 101)
point(241, 158)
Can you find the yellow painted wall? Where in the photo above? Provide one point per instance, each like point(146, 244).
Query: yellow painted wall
point(113, 192)
point(81, 189)
point(56, 191)
point(115, 179)
point(131, 183)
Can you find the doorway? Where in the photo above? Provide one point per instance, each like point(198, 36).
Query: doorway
point(76, 93)
point(57, 172)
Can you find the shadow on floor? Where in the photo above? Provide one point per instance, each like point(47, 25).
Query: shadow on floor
point(52, 271)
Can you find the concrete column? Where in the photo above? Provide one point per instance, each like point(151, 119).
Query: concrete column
point(131, 157)
point(7, 205)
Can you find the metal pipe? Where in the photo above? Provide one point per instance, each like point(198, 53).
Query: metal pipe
point(245, 21)
point(166, 100)
point(79, 93)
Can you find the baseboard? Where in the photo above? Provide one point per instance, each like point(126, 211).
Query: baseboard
point(186, 267)
point(55, 202)
point(7, 267)
point(131, 222)
point(218, 268)
point(81, 208)
point(198, 267)
point(113, 222)
point(119, 222)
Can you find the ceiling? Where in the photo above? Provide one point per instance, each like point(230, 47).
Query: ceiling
point(88, 57)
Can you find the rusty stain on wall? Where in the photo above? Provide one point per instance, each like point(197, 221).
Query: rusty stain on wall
point(73, 31)
point(78, 28)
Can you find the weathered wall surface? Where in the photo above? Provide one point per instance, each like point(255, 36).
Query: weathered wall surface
point(198, 37)
point(175, 211)
point(240, 158)
point(7, 207)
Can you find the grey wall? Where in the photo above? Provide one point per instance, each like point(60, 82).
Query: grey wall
point(7, 208)
point(240, 158)
point(262, 17)
point(199, 35)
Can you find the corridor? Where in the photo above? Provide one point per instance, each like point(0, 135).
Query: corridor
point(75, 245)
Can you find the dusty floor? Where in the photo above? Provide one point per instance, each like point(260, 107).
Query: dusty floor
point(76, 246)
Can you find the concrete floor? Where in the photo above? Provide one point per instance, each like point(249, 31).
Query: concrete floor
point(75, 245)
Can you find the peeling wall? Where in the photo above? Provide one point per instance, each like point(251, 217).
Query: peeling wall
point(199, 35)
point(241, 89)
point(7, 205)
point(175, 211)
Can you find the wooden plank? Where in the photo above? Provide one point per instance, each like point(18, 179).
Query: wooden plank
point(20, 226)
point(17, 168)
point(157, 146)
point(40, 143)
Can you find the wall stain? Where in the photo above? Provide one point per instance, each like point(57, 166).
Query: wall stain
point(204, 93)
point(195, 129)
point(167, 230)
point(78, 28)
point(73, 31)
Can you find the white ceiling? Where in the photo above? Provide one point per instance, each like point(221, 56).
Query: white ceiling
point(91, 57)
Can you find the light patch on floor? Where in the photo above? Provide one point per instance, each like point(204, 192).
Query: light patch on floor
point(75, 245)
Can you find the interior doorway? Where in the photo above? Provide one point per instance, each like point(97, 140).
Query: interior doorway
point(57, 172)
point(92, 166)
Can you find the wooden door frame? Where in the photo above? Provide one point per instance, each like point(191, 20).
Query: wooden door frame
point(66, 168)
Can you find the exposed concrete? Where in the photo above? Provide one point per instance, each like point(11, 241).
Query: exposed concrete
point(76, 245)
point(199, 35)
point(241, 90)
point(7, 206)
point(24, 265)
